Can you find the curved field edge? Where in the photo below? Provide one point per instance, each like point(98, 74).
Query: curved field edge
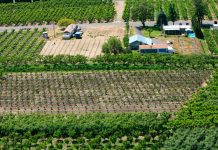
point(202, 108)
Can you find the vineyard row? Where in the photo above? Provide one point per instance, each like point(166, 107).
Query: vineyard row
point(52, 11)
point(110, 91)
point(21, 46)
point(184, 8)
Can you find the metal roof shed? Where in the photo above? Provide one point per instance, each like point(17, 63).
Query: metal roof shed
point(176, 29)
point(136, 40)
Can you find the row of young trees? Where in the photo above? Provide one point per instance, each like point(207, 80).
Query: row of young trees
point(211, 39)
point(94, 91)
point(174, 10)
point(121, 61)
point(90, 131)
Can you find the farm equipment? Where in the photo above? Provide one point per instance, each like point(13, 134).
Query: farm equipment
point(45, 35)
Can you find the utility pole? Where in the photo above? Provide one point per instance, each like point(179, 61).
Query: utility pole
point(54, 28)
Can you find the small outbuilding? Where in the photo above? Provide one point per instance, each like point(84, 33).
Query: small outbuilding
point(136, 40)
point(156, 48)
point(176, 29)
point(215, 26)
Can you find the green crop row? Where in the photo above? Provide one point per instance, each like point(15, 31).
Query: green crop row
point(193, 138)
point(184, 8)
point(52, 11)
point(20, 46)
point(211, 40)
point(202, 108)
point(91, 131)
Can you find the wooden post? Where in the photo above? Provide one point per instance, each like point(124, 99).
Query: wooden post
point(54, 28)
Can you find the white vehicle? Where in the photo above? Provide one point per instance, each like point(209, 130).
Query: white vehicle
point(66, 36)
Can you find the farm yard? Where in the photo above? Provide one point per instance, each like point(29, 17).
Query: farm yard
point(182, 45)
point(107, 91)
point(52, 11)
point(90, 45)
point(84, 80)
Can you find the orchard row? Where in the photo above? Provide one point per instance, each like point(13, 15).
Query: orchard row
point(52, 11)
point(184, 8)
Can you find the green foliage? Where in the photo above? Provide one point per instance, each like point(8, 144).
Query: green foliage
point(173, 16)
point(100, 127)
point(184, 9)
point(211, 38)
point(150, 31)
point(1, 73)
point(115, 62)
point(54, 10)
point(201, 109)
point(201, 10)
point(142, 11)
point(162, 19)
point(20, 47)
point(126, 40)
point(113, 46)
point(65, 22)
point(197, 27)
point(193, 138)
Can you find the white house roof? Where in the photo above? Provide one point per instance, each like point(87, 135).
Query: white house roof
point(141, 39)
point(176, 27)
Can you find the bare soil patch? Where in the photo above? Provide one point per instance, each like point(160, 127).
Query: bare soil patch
point(90, 45)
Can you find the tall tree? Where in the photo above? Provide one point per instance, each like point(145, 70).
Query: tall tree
point(200, 10)
point(173, 16)
point(197, 27)
point(162, 19)
point(142, 11)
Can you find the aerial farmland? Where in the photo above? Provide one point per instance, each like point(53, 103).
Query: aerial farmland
point(108, 74)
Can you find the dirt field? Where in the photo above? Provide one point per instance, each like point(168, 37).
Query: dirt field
point(184, 45)
point(90, 45)
point(109, 91)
